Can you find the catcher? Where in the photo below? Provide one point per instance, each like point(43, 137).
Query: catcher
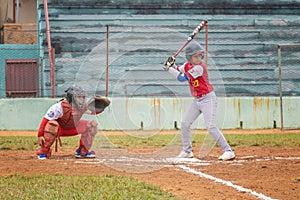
point(64, 119)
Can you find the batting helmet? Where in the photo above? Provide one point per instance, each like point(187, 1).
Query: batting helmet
point(74, 91)
point(192, 49)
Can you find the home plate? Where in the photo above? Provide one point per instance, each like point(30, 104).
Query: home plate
point(190, 161)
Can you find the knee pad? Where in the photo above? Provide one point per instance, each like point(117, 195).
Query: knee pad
point(50, 134)
point(52, 127)
point(87, 138)
point(92, 126)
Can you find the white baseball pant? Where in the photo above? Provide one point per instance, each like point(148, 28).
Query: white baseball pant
point(206, 105)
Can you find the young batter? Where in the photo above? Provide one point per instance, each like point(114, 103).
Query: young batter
point(195, 72)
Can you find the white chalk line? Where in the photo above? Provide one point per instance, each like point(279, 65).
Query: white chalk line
point(167, 162)
point(187, 161)
point(227, 183)
point(142, 161)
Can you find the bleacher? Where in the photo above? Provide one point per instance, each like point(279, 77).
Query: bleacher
point(242, 44)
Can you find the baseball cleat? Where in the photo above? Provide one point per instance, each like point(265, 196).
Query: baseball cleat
point(42, 157)
point(184, 154)
point(77, 152)
point(87, 155)
point(227, 155)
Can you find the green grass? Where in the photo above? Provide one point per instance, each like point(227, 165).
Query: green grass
point(235, 140)
point(267, 140)
point(77, 187)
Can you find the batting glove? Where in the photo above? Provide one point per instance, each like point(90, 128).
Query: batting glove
point(169, 63)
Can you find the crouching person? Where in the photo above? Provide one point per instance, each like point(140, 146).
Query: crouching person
point(64, 119)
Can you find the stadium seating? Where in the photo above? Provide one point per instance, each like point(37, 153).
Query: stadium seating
point(242, 44)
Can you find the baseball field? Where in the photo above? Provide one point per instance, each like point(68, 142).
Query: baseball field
point(130, 167)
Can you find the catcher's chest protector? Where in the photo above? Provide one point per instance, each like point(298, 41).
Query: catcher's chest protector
point(71, 115)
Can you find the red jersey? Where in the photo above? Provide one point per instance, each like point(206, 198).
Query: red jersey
point(67, 116)
point(198, 79)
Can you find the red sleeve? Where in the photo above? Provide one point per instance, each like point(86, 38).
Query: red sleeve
point(42, 127)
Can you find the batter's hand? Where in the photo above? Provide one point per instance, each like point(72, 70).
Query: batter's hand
point(41, 141)
point(169, 63)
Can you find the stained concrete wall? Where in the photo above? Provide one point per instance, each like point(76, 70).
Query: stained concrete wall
point(159, 113)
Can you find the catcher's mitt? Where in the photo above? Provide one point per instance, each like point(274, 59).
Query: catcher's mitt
point(97, 104)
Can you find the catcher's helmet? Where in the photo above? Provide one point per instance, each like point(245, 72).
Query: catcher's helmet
point(74, 91)
point(192, 49)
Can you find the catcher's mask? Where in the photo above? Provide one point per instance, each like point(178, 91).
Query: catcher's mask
point(72, 93)
point(193, 48)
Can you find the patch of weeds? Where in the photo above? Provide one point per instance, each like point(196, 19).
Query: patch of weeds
point(5, 148)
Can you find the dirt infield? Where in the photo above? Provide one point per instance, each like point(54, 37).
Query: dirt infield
point(256, 173)
point(231, 131)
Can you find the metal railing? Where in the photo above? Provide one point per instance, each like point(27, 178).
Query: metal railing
point(292, 48)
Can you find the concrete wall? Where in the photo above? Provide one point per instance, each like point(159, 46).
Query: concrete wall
point(27, 11)
point(159, 113)
point(6, 12)
point(6, 15)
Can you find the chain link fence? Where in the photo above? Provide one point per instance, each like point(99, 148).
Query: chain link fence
point(131, 60)
point(289, 69)
point(289, 76)
point(126, 61)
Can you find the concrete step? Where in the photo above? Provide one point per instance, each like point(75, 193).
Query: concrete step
point(224, 24)
point(223, 21)
point(176, 6)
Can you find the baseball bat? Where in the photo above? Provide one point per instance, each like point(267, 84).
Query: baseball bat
point(191, 37)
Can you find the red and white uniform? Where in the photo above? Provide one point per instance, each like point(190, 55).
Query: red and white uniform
point(197, 78)
point(205, 102)
point(68, 118)
point(70, 123)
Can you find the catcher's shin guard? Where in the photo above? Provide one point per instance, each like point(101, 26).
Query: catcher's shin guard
point(50, 134)
point(87, 138)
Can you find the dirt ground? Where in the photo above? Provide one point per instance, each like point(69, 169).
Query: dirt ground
point(256, 173)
